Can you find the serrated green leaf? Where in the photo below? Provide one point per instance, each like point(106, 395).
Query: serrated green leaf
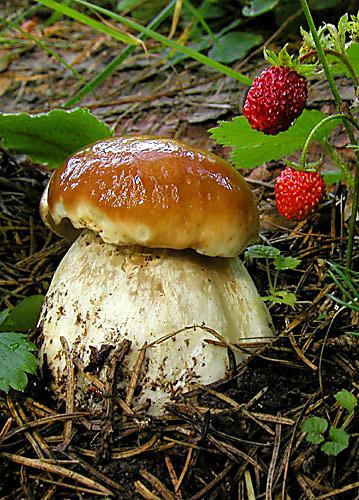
point(282, 297)
point(24, 316)
point(339, 442)
point(314, 425)
point(262, 252)
point(347, 400)
point(282, 263)
point(16, 360)
point(51, 137)
point(252, 148)
point(234, 46)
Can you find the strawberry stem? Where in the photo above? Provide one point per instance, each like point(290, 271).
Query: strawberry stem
point(346, 120)
point(341, 56)
point(324, 121)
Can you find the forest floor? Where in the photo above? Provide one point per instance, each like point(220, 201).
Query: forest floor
point(242, 439)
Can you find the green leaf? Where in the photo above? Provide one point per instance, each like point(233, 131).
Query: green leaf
point(323, 4)
point(234, 46)
point(24, 316)
point(339, 442)
point(282, 263)
point(258, 7)
point(347, 400)
point(343, 27)
point(262, 252)
point(88, 21)
point(252, 148)
point(339, 68)
point(313, 438)
point(166, 42)
point(332, 176)
point(282, 297)
point(353, 56)
point(3, 315)
point(314, 425)
point(51, 137)
point(16, 360)
point(127, 5)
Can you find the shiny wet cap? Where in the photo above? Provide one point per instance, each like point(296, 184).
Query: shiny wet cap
point(153, 192)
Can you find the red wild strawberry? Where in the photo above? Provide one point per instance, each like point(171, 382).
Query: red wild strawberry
point(276, 98)
point(298, 193)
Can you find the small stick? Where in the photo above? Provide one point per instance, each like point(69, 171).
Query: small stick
point(29, 436)
point(145, 492)
point(185, 469)
point(135, 376)
point(70, 393)
point(172, 474)
point(157, 485)
point(6, 428)
point(55, 469)
point(272, 465)
point(301, 355)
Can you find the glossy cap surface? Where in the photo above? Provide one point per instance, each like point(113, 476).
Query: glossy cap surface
point(152, 192)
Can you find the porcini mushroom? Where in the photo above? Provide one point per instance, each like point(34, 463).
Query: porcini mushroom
point(161, 224)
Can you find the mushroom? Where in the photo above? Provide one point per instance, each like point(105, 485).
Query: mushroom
point(159, 226)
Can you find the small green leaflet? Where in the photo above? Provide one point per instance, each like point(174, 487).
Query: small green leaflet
point(339, 441)
point(258, 7)
point(282, 263)
point(234, 46)
point(282, 297)
point(314, 427)
point(16, 360)
point(51, 137)
point(332, 177)
point(262, 252)
point(279, 262)
point(23, 317)
point(347, 400)
point(252, 148)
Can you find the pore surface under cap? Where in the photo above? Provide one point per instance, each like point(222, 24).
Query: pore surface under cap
point(154, 192)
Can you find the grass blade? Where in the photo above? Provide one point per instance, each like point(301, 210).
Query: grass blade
point(197, 56)
point(92, 23)
point(340, 286)
point(350, 304)
point(45, 48)
point(115, 63)
point(340, 271)
point(198, 16)
point(347, 282)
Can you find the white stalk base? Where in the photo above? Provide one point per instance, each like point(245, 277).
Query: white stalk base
point(102, 294)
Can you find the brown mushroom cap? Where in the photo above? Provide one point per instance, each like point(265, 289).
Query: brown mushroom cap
point(152, 192)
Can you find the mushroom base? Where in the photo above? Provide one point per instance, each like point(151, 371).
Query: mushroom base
point(102, 295)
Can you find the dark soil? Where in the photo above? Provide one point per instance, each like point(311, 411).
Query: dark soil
point(243, 434)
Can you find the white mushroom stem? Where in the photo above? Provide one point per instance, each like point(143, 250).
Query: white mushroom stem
point(102, 294)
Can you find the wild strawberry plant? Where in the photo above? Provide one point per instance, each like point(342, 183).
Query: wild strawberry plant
point(274, 263)
point(275, 123)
